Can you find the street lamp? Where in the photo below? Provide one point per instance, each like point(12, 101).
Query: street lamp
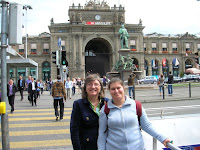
point(26, 7)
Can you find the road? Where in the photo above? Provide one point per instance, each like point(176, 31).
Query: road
point(35, 127)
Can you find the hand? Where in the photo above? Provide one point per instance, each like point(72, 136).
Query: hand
point(166, 141)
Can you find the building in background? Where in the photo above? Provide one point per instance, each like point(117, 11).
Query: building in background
point(91, 41)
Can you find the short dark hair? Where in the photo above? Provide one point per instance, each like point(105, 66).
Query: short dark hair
point(88, 79)
point(59, 77)
point(113, 80)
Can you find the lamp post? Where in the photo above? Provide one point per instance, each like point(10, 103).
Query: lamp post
point(26, 7)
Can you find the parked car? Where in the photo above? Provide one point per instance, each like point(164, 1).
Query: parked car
point(175, 79)
point(190, 77)
point(148, 79)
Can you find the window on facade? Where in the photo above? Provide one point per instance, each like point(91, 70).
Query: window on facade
point(187, 47)
point(89, 53)
point(33, 48)
point(145, 49)
point(174, 47)
point(154, 47)
point(33, 72)
point(63, 45)
point(164, 47)
point(132, 45)
point(46, 48)
point(21, 48)
point(198, 47)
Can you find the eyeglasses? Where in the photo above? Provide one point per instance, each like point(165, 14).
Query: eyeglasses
point(95, 84)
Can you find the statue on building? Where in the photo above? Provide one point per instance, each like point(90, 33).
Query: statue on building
point(140, 21)
point(73, 17)
point(79, 17)
point(122, 18)
point(116, 18)
point(51, 21)
point(124, 37)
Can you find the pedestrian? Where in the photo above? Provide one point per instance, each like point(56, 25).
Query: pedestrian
point(11, 90)
point(46, 84)
point(170, 82)
point(73, 86)
point(79, 84)
point(38, 89)
point(68, 87)
point(32, 89)
point(41, 86)
point(131, 85)
point(120, 129)
point(58, 93)
point(50, 83)
point(27, 84)
point(21, 86)
point(85, 114)
point(104, 80)
point(160, 83)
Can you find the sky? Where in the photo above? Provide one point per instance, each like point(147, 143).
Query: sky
point(161, 16)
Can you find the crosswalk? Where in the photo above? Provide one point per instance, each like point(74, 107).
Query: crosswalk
point(37, 129)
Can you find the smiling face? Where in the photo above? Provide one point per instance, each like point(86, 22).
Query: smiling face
point(93, 88)
point(117, 91)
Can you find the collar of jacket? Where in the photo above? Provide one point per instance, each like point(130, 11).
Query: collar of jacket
point(85, 100)
point(127, 102)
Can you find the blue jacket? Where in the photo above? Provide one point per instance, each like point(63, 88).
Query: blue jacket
point(84, 125)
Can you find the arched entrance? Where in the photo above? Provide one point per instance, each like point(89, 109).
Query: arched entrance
point(97, 56)
point(46, 70)
point(154, 63)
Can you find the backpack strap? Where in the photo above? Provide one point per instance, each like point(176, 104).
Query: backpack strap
point(139, 110)
point(106, 109)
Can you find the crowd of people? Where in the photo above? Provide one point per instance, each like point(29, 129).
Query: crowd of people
point(96, 121)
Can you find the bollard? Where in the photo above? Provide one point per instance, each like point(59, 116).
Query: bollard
point(189, 89)
point(163, 88)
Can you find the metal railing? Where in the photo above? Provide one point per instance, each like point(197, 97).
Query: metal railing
point(170, 145)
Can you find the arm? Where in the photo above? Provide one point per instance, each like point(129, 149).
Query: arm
point(102, 128)
point(148, 127)
point(74, 126)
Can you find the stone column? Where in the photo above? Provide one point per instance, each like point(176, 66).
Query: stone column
point(80, 52)
point(170, 67)
point(149, 69)
point(74, 53)
point(160, 68)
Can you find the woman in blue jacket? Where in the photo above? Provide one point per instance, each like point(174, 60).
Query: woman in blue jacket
point(84, 123)
point(120, 130)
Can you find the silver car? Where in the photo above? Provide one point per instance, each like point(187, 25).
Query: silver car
point(148, 79)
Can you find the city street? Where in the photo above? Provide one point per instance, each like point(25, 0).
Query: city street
point(35, 127)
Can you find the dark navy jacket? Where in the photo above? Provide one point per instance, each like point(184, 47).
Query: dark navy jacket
point(84, 125)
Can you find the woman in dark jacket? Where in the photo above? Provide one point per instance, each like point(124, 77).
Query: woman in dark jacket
point(84, 123)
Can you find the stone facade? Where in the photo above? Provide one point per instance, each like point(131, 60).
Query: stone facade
point(92, 30)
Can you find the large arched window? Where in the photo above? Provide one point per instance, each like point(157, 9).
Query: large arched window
point(46, 70)
point(165, 67)
point(146, 67)
point(154, 63)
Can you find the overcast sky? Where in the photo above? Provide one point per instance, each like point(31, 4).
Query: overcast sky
point(161, 16)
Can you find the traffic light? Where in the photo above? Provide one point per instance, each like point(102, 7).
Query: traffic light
point(63, 58)
point(55, 56)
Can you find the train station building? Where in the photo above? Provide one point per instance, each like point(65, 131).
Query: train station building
point(91, 41)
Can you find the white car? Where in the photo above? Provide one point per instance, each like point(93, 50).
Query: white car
point(148, 79)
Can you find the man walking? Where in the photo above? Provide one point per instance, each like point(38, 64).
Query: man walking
point(27, 84)
point(32, 89)
point(131, 85)
point(68, 86)
point(58, 93)
point(170, 82)
point(21, 86)
point(11, 90)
